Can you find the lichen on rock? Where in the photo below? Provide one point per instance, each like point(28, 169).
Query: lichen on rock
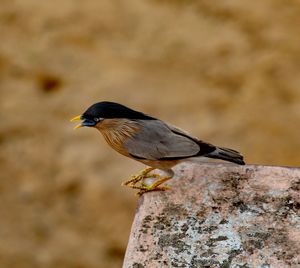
point(219, 215)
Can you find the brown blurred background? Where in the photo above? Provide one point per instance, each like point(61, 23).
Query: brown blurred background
point(227, 71)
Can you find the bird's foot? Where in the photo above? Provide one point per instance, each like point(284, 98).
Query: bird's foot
point(153, 187)
point(142, 191)
point(136, 178)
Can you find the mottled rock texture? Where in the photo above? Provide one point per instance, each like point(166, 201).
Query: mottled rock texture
point(227, 71)
point(220, 215)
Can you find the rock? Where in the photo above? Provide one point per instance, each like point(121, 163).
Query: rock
point(219, 215)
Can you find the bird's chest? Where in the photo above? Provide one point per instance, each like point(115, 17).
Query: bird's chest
point(116, 140)
point(117, 131)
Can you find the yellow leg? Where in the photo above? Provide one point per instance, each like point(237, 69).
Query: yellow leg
point(154, 186)
point(136, 178)
point(159, 182)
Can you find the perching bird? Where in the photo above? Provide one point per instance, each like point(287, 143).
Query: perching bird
point(150, 141)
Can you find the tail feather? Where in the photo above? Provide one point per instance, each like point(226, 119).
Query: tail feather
point(227, 155)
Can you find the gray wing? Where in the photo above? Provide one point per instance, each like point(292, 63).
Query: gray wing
point(157, 140)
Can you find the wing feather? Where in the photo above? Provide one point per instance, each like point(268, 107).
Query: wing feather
point(157, 140)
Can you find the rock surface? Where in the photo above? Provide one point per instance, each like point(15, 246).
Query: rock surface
point(220, 215)
point(225, 71)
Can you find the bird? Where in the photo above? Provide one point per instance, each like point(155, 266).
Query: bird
point(149, 140)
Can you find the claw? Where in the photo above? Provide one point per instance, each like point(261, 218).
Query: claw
point(143, 188)
point(136, 178)
point(154, 187)
point(162, 188)
point(133, 181)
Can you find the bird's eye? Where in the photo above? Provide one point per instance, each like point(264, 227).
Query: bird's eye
point(97, 119)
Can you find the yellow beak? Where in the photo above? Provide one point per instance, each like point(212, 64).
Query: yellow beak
point(76, 119)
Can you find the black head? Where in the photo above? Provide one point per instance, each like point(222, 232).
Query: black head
point(109, 110)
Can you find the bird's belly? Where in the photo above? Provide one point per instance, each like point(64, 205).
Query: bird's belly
point(160, 164)
point(116, 140)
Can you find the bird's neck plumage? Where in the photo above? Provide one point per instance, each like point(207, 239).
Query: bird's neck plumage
point(117, 131)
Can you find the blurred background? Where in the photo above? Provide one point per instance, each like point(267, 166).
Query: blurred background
point(227, 71)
